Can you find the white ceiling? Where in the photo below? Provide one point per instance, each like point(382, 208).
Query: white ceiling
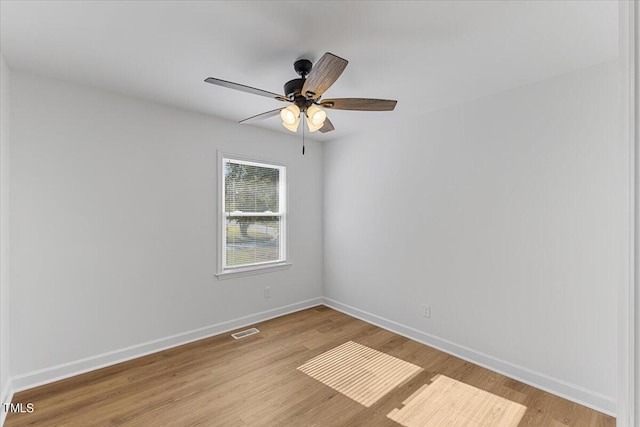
point(427, 55)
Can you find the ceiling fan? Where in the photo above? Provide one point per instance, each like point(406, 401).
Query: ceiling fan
point(303, 95)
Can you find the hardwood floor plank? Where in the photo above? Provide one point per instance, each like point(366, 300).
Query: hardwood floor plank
point(254, 381)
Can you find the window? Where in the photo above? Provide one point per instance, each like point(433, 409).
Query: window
point(253, 223)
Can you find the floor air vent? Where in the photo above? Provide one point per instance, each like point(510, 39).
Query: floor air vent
point(246, 333)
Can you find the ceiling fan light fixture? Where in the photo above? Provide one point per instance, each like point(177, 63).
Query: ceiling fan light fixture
point(292, 127)
point(290, 117)
point(315, 117)
point(311, 126)
point(290, 114)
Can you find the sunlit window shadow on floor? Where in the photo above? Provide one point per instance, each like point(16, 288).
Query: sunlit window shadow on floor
point(451, 403)
point(359, 372)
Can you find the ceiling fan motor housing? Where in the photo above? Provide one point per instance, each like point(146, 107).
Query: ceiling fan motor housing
point(293, 87)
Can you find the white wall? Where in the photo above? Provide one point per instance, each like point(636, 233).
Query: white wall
point(113, 228)
point(504, 215)
point(4, 234)
point(499, 213)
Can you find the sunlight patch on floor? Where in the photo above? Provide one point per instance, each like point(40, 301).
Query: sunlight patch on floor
point(359, 372)
point(447, 402)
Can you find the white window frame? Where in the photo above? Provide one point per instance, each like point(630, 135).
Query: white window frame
point(258, 268)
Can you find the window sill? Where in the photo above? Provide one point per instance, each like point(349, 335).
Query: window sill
point(249, 271)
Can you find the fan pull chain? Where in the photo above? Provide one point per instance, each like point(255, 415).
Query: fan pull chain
point(303, 134)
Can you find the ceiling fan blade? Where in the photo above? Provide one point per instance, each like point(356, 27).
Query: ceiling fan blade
point(327, 126)
point(359, 104)
point(323, 74)
point(261, 116)
point(243, 88)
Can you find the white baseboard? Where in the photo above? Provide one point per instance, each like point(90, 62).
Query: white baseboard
point(577, 394)
point(6, 397)
point(66, 370)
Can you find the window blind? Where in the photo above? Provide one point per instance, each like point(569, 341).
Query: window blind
point(254, 213)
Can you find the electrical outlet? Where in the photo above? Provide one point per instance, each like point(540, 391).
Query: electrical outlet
point(267, 292)
point(426, 311)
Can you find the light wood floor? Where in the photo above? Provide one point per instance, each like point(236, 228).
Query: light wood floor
point(254, 381)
